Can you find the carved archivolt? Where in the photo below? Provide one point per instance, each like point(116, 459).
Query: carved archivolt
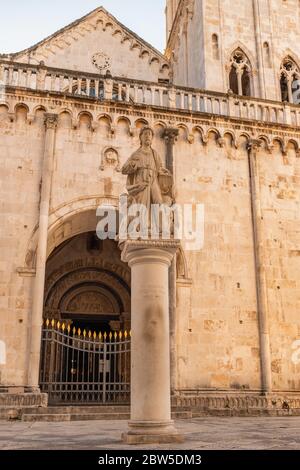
point(93, 290)
point(95, 300)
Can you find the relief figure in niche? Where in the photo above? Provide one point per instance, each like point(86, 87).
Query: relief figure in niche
point(111, 160)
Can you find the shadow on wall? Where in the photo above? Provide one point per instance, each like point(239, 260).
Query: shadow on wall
point(2, 353)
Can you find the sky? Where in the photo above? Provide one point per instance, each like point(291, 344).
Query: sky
point(26, 22)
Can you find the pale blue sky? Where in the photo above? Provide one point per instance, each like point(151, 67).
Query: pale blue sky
point(25, 22)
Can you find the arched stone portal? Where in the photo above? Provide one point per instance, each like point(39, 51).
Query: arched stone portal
point(85, 350)
point(87, 285)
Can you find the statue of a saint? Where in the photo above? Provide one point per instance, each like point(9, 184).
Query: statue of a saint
point(147, 178)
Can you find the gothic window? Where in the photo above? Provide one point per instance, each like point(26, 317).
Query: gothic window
point(290, 81)
point(215, 46)
point(240, 73)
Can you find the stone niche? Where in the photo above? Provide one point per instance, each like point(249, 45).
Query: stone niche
point(110, 159)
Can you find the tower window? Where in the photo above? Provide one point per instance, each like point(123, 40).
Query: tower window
point(290, 81)
point(215, 47)
point(240, 73)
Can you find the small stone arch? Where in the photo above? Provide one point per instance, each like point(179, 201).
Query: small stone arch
point(232, 137)
point(140, 123)
point(278, 143)
point(65, 118)
point(123, 125)
point(198, 134)
point(104, 122)
point(39, 115)
point(212, 136)
point(21, 105)
point(295, 144)
point(85, 120)
point(183, 132)
point(158, 129)
point(21, 113)
point(265, 142)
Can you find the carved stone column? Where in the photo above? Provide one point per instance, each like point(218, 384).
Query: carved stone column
point(150, 355)
point(239, 72)
point(170, 134)
point(260, 263)
point(41, 256)
point(289, 87)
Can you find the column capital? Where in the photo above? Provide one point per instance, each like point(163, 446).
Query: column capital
point(254, 145)
point(149, 251)
point(51, 121)
point(170, 134)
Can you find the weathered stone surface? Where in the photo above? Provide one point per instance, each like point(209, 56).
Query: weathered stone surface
point(217, 320)
point(200, 434)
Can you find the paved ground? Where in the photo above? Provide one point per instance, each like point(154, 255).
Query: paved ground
point(201, 434)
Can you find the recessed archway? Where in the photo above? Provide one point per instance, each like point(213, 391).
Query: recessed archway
point(85, 355)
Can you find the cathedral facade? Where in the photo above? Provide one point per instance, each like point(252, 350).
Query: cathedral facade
point(223, 102)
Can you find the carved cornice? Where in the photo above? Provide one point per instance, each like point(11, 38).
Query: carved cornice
point(192, 120)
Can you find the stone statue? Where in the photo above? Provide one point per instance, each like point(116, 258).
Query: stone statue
point(148, 181)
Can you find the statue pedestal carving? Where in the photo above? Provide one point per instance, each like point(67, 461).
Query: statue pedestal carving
point(150, 357)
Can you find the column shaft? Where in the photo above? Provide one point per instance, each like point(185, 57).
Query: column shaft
point(41, 256)
point(262, 301)
point(150, 355)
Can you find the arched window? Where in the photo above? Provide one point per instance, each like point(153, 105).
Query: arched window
point(290, 81)
point(215, 46)
point(267, 56)
point(240, 73)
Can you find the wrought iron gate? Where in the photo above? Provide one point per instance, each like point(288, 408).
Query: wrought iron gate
point(83, 367)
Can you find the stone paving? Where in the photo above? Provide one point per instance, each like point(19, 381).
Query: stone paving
point(200, 434)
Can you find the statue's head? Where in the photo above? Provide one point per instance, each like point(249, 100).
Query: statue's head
point(146, 136)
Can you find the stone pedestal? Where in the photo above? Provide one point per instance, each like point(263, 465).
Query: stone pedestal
point(150, 357)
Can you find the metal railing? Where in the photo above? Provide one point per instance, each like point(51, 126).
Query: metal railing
point(41, 78)
point(83, 367)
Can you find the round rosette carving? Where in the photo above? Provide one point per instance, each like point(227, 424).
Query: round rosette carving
point(101, 61)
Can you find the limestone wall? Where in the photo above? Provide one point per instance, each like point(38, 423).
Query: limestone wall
point(280, 196)
point(217, 319)
point(21, 149)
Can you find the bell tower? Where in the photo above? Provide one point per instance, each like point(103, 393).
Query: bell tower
point(171, 10)
point(251, 48)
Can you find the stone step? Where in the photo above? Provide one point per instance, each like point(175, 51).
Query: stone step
point(78, 409)
point(91, 416)
point(54, 418)
point(49, 418)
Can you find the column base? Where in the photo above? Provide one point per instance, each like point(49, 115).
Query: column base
point(152, 432)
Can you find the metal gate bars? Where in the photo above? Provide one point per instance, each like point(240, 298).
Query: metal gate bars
point(83, 367)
